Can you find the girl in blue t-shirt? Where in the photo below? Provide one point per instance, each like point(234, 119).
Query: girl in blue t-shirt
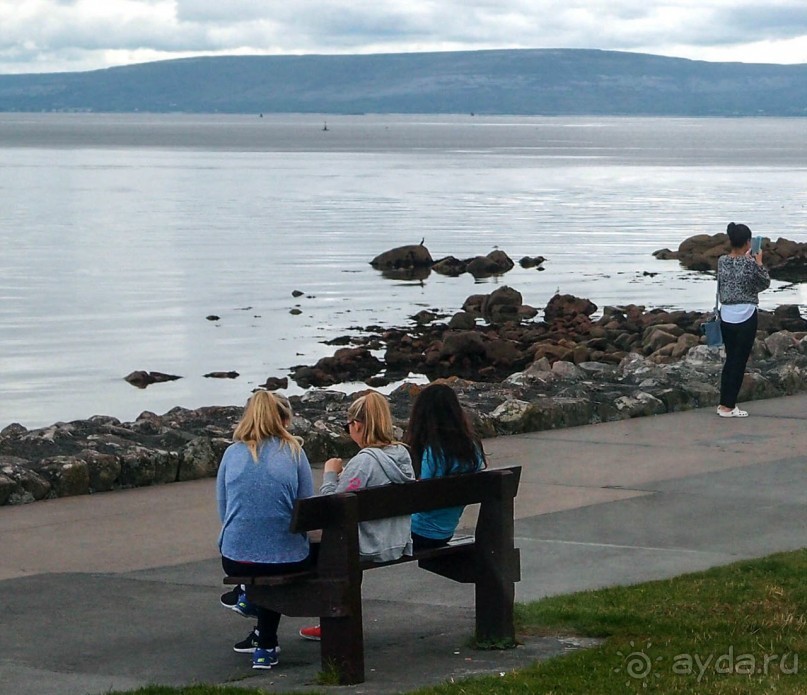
point(442, 442)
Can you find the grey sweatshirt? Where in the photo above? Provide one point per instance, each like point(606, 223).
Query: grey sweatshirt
point(384, 539)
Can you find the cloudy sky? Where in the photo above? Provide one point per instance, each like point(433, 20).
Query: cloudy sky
point(59, 35)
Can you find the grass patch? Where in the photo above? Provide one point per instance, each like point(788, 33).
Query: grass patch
point(735, 630)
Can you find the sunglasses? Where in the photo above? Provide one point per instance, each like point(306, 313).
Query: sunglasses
point(347, 425)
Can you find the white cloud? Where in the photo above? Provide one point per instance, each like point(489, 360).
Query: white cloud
point(41, 35)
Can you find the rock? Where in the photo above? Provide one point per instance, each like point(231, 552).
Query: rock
point(424, 317)
point(412, 256)
point(462, 344)
point(141, 466)
point(297, 293)
point(212, 317)
point(495, 263)
point(531, 261)
point(780, 344)
point(347, 364)
point(273, 383)
point(506, 354)
point(14, 430)
point(501, 305)
point(451, 266)
point(68, 475)
point(639, 404)
point(567, 370)
point(785, 259)
point(295, 311)
point(103, 470)
point(757, 387)
point(26, 484)
point(142, 379)
point(197, 460)
point(222, 375)
point(563, 306)
point(462, 320)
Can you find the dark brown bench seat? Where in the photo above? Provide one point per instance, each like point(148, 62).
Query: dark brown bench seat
point(331, 590)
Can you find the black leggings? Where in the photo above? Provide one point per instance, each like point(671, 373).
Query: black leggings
point(268, 620)
point(739, 340)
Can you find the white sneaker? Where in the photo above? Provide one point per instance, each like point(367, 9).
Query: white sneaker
point(735, 412)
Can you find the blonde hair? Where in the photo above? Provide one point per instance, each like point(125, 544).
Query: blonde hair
point(266, 415)
point(372, 409)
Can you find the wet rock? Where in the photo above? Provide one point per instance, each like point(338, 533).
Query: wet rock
point(462, 320)
point(297, 293)
point(563, 306)
point(412, 256)
point(212, 317)
point(502, 305)
point(222, 375)
point(531, 261)
point(347, 364)
point(424, 316)
point(785, 259)
point(451, 266)
point(295, 311)
point(495, 263)
point(273, 383)
point(142, 379)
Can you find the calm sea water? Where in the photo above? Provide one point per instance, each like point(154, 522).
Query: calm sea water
point(120, 234)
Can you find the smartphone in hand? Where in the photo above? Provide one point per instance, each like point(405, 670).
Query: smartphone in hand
point(756, 245)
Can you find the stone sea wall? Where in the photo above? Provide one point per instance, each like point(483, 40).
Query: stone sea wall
point(102, 453)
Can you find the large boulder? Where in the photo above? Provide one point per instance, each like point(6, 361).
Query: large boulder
point(562, 306)
point(411, 256)
point(495, 263)
point(785, 259)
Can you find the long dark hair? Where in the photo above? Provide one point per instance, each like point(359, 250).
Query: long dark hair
point(438, 422)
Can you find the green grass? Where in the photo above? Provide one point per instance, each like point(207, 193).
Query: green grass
point(736, 630)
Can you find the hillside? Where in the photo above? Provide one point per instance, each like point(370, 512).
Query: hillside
point(547, 82)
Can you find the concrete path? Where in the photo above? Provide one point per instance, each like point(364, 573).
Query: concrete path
point(120, 590)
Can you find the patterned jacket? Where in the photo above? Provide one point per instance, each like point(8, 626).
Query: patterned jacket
point(740, 279)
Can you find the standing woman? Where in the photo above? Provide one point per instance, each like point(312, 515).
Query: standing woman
point(442, 442)
point(261, 475)
point(740, 277)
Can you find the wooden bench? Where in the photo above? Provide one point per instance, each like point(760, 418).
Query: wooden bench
point(331, 591)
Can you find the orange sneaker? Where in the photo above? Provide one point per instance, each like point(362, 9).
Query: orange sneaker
point(313, 633)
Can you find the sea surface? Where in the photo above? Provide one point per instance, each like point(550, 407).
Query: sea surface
point(120, 234)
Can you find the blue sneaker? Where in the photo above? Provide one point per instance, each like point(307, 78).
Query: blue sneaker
point(241, 606)
point(264, 658)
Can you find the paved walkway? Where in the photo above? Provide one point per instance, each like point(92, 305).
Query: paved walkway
point(120, 590)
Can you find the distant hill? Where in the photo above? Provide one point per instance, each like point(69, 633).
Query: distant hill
point(545, 82)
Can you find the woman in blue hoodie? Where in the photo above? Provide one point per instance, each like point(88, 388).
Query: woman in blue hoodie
point(442, 442)
point(260, 477)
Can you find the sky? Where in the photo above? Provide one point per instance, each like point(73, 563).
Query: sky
point(77, 35)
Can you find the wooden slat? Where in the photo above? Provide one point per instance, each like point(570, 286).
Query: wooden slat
point(403, 499)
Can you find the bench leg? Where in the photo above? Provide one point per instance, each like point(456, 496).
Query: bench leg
point(342, 647)
point(494, 610)
point(497, 567)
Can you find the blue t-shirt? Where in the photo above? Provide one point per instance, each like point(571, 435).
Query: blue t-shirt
point(439, 524)
point(256, 499)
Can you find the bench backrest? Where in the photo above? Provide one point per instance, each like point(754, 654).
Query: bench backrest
point(492, 484)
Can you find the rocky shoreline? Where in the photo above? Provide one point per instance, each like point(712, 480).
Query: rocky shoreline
point(513, 374)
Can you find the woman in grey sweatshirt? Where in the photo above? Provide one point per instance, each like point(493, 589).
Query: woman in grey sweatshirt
point(381, 461)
